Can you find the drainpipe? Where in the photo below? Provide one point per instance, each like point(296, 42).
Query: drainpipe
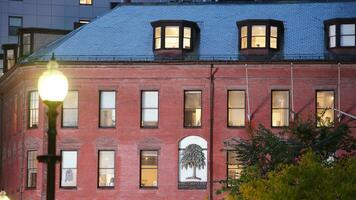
point(1, 141)
point(212, 96)
point(339, 91)
point(292, 89)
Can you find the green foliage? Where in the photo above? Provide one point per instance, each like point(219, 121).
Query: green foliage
point(309, 179)
point(266, 154)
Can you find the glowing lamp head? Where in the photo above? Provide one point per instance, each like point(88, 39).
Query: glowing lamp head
point(52, 84)
point(3, 196)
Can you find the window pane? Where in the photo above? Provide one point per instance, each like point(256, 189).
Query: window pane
point(106, 159)
point(86, 2)
point(347, 41)
point(149, 117)
point(157, 37)
point(186, 43)
point(233, 166)
point(157, 32)
point(107, 117)
point(70, 118)
point(150, 99)
point(258, 30)
point(332, 30)
point(26, 44)
point(69, 169)
point(33, 109)
point(172, 31)
point(149, 165)
point(10, 56)
point(192, 117)
point(273, 43)
point(31, 169)
point(244, 31)
point(172, 42)
point(347, 29)
point(15, 21)
point(106, 178)
point(258, 42)
point(107, 99)
point(71, 100)
point(332, 41)
point(280, 117)
point(187, 32)
point(157, 43)
point(280, 99)
point(244, 43)
point(193, 99)
point(236, 117)
point(236, 99)
point(325, 99)
point(274, 31)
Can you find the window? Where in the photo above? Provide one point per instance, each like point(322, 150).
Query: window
point(149, 109)
point(193, 162)
point(233, 166)
point(340, 33)
point(280, 108)
point(174, 34)
point(106, 173)
point(192, 108)
point(236, 108)
point(70, 110)
point(86, 2)
point(325, 108)
point(107, 108)
point(69, 169)
point(31, 169)
point(113, 4)
point(80, 23)
point(260, 34)
point(14, 24)
point(26, 44)
point(33, 105)
point(10, 56)
point(149, 169)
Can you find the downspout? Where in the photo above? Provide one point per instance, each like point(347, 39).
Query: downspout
point(248, 95)
point(339, 91)
point(1, 141)
point(292, 89)
point(212, 90)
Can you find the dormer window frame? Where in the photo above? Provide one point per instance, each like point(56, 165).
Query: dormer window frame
point(268, 24)
point(182, 25)
point(337, 23)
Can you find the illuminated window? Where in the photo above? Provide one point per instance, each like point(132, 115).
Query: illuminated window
point(260, 34)
point(106, 172)
point(171, 37)
point(192, 108)
point(158, 37)
point(236, 108)
point(149, 108)
point(340, 33)
point(325, 108)
point(107, 108)
point(69, 169)
point(70, 110)
point(280, 108)
point(85, 2)
point(31, 169)
point(149, 169)
point(15, 23)
point(33, 105)
point(233, 166)
point(26, 44)
point(174, 35)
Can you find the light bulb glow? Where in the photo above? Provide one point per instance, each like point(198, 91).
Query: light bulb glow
point(52, 85)
point(3, 196)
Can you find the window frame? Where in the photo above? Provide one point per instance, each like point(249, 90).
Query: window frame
point(28, 168)
point(8, 26)
point(227, 166)
point(60, 173)
point(142, 109)
point(201, 108)
point(98, 170)
point(288, 109)
point(268, 23)
point(181, 24)
point(227, 108)
point(140, 173)
point(100, 126)
point(316, 106)
point(338, 22)
point(5, 48)
point(86, 4)
point(29, 109)
point(62, 112)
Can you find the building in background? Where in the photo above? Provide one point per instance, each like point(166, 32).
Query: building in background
point(157, 89)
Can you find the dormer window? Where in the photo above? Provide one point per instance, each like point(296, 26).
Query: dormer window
point(174, 37)
point(259, 37)
point(340, 35)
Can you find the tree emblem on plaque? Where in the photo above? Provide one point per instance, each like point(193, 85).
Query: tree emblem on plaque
point(193, 157)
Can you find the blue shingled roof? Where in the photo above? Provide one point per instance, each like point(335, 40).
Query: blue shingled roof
point(126, 32)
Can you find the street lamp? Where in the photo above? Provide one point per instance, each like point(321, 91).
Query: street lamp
point(3, 196)
point(53, 88)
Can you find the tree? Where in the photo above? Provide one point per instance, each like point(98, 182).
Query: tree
point(193, 157)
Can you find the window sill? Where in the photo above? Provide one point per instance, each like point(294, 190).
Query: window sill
point(106, 187)
point(31, 188)
point(68, 188)
point(236, 127)
point(149, 188)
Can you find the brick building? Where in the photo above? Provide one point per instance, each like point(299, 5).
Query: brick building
point(151, 83)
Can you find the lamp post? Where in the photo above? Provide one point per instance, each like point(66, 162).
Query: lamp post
point(3, 196)
point(53, 88)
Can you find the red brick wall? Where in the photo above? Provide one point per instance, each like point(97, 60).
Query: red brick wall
point(128, 138)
